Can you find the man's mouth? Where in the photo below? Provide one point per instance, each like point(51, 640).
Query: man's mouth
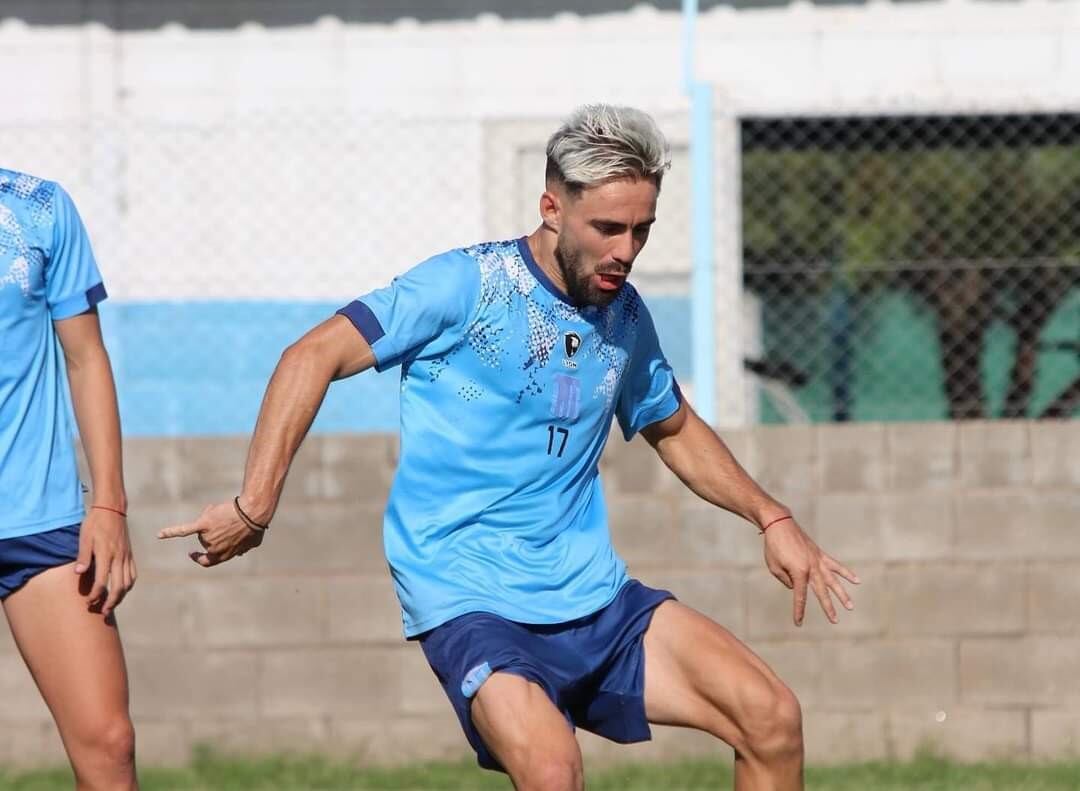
point(608, 281)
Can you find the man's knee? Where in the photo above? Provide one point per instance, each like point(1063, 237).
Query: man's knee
point(772, 723)
point(551, 771)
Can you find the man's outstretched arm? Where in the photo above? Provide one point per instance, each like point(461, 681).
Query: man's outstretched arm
point(701, 460)
point(332, 350)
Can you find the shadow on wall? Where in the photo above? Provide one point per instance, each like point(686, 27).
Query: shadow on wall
point(144, 14)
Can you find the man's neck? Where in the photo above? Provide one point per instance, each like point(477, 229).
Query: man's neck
point(542, 243)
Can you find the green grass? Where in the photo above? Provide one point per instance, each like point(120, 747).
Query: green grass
point(210, 773)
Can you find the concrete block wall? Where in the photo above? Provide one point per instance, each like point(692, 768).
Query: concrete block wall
point(965, 637)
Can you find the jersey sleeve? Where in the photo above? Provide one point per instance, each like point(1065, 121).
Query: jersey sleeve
point(72, 280)
point(430, 299)
point(649, 391)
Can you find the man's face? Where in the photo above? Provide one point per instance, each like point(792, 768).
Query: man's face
point(601, 232)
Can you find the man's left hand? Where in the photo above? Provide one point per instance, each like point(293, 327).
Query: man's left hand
point(799, 564)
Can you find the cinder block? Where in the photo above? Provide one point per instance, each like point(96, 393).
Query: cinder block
point(162, 743)
point(710, 536)
point(839, 737)
point(797, 663)
point(1055, 453)
point(785, 458)
point(963, 733)
point(151, 469)
point(306, 473)
point(1055, 734)
point(853, 457)
point(156, 613)
point(718, 595)
point(1018, 525)
point(19, 693)
point(956, 599)
point(192, 683)
point(363, 610)
point(1056, 512)
point(644, 531)
point(922, 456)
point(995, 453)
point(770, 608)
point(262, 736)
point(889, 672)
point(31, 744)
point(256, 611)
point(347, 682)
point(7, 642)
point(401, 740)
point(358, 468)
point(211, 468)
point(328, 537)
point(421, 693)
point(667, 744)
point(996, 524)
point(848, 526)
point(634, 468)
point(1053, 593)
point(1031, 671)
point(917, 525)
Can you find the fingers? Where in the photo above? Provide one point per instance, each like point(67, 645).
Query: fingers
point(800, 584)
point(817, 582)
point(102, 567)
point(837, 567)
point(117, 589)
point(179, 531)
point(205, 559)
point(838, 591)
point(82, 562)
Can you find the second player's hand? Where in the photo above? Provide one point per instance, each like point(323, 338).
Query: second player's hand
point(222, 533)
point(797, 562)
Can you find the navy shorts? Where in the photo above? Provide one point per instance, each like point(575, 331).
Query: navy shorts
point(26, 556)
point(592, 668)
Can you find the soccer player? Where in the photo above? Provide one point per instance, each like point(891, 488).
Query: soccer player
point(515, 357)
point(63, 570)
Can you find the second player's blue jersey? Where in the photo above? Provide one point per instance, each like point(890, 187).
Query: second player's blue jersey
point(47, 274)
point(507, 397)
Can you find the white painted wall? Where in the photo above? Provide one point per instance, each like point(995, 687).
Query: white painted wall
point(313, 162)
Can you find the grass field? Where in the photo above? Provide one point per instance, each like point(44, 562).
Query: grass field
point(207, 773)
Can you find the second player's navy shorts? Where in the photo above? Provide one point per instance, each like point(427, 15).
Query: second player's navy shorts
point(26, 556)
point(592, 668)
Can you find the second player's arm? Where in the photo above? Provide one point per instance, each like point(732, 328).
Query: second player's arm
point(333, 350)
point(701, 460)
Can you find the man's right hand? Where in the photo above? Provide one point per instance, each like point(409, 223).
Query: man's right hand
point(222, 533)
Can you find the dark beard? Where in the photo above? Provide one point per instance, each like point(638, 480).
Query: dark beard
point(578, 287)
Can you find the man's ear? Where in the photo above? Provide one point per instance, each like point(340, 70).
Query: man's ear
point(551, 209)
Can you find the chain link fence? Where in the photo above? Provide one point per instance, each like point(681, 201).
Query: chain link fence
point(914, 268)
point(894, 268)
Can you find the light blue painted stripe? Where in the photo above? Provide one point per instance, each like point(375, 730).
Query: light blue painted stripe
point(703, 301)
point(200, 368)
point(690, 9)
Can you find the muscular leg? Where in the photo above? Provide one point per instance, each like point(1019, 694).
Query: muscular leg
point(77, 662)
point(698, 675)
point(530, 737)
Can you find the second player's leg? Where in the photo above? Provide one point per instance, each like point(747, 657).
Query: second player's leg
point(698, 675)
point(528, 734)
point(77, 662)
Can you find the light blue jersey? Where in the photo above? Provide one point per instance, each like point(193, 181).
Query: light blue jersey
point(507, 397)
point(47, 273)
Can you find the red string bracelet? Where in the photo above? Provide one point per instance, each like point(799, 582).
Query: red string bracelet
point(106, 508)
point(773, 522)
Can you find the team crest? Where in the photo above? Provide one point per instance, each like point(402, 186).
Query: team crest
point(573, 342)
